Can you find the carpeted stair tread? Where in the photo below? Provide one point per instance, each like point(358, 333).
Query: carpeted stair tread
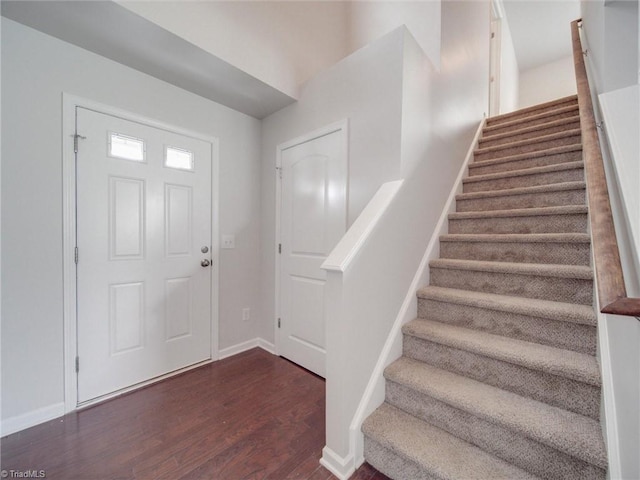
point(571, 433)
point(439, 454)
point(522, 212)
point(518, 237)
point(571, 100)
point(560, 311)
point(561, 112)
point(555, 361)
point(547, 152)
point(519, 130)
point(554, 187)
point(559, 167)
point(530, 141)
point(559, 271)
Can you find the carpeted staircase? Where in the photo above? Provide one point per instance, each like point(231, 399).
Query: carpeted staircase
point(498, 377)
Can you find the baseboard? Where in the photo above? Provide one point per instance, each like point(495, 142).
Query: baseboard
point(244, 346)
point(341, 467)
point(31, 419)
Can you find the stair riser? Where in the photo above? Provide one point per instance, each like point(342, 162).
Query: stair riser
point(532, 112)
point(481, 168)
point(526, 200)
point(505, 151)
point(529, 123)
point(488, 141)
point(570, 290)
point(391, 464)
point(574, 223)
point(506, 444)
point(554, 390)
point(570, 336)
point(519, 252)
point(548, 178)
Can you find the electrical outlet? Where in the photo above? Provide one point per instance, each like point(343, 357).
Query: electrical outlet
point(228, 241)
point(246, 314)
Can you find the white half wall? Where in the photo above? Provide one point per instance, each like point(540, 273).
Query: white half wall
point(37, 69)
point(547, 82)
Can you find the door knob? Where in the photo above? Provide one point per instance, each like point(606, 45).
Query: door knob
point(205, 263)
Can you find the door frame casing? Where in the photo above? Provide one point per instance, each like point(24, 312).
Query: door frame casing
point(70, 339)
point(341, 125)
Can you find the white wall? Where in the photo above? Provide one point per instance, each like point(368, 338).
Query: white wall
point(36, 70)
point(613, 38)
point(282, 43)
point(369, 21)
point(509, 72)
point(366, 88)
point(547, 82)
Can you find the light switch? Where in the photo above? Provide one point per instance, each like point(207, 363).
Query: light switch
point(228, 241)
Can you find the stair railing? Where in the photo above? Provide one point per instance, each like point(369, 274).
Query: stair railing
point(612, 293)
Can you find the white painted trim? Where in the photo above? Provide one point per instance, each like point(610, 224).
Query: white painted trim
point(405, 314)
point(348, 247)
point(244, 346)
point(342, 468)
point(69, 104)
point(307, 137)
point(30, 419)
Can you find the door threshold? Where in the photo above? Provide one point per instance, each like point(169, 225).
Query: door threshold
point(123, 391)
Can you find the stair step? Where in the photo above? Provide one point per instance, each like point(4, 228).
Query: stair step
point(523, 132)
point(566, 218)
point(567, 137)
point(560, 283)
point(570, 101)
point(560, 113)
point(554, 195)
point(557, 324)
point(557, 248)
point(528, 177)
point(550, 156)
point(558, 377)
point(400, 446)
point(538, 438)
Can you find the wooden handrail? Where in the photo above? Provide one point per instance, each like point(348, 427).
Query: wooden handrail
point(612, 293)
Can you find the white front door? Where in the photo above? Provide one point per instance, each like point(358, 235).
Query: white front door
point(143, 230)
point(312, 221)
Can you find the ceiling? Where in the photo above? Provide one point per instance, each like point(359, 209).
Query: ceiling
point(107, 29)
point(541, 29)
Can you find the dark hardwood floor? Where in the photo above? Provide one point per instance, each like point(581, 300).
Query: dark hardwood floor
point(251, 416)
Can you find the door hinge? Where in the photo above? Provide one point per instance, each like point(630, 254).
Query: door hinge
point(279, 248)
point(278, 323)
point(279, 170)
point(75, 255)
point(493, 34)
point(75, 141)
point(77, 364)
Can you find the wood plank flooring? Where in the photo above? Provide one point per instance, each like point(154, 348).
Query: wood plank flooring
point(251, 416)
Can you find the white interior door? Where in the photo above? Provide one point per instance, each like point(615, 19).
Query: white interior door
point(312, 221)
point(143, 225)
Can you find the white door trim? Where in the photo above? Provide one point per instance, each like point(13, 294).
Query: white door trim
point(69, 104)
point(342, 125)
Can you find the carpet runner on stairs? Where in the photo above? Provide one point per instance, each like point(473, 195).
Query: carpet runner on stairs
point(498, 377)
